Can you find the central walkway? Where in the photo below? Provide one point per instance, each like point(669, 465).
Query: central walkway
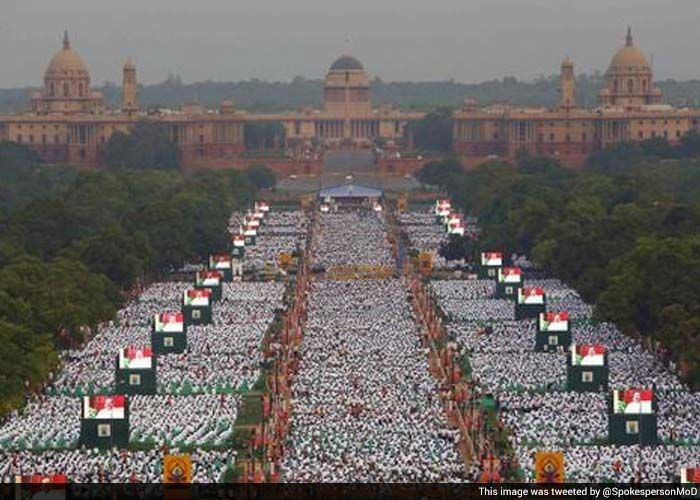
point(347, 162)
point(365, 407)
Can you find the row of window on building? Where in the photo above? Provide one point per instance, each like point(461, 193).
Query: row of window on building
point(56, 139)
point(677, 134)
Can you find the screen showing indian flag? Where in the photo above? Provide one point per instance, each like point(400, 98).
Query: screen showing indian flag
point(262, 206)
point(208, 278)
point(42, 479)
point(554, 322)
point(239, 241)
point(531, 296)
point(250, 231)
point(510, 275)
point(104, 407)
point(587, 355)
point(221, 261)
point(633, 401)
point(136, 358)
point(491, 259)
point(252, 222)
point(170, 322)
point(41, 486)
point(457, 229)
point(443, 207)
point(197, 298)
point(454, 218)
point(690, 475)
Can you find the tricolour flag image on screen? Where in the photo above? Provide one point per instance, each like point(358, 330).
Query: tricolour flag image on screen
point(510, 275)
point(197, 298)
point(221, 261)
point(208, 278)
point(531, 296)
point(457, 229)
point(442, 208)
point(42, 486)
point(554, 322)
point(251, 221)
point(454, 218)
point(136, 358)
point(42, 479)
point(491, 259)
point(262, 206)
point(170, 322)
point(587, 355)
point(690, 475)
point(633, 401)
point(239, 241)
point(250, 231)
point(104, 407)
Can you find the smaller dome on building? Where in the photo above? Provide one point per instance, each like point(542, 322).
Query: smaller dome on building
point(66, 62)
point(347, 63)
point(629, 58)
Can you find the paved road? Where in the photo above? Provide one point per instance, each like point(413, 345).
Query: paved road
point(342, 167)
point(349, 161)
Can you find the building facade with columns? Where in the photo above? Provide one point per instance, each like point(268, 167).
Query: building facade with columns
point(630, 109)
point(347, 117)
point(69, 123)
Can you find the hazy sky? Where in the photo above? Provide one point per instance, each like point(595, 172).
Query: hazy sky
point(468, 40)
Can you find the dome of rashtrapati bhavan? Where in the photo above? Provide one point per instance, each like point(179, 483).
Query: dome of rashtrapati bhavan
point(69, 124)
point(346, 63)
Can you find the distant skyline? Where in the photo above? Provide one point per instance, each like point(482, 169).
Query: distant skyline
point(397, 40)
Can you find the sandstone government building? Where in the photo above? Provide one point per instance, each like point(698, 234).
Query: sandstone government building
point(69, 123)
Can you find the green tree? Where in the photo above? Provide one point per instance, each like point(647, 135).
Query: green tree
point(26, 359)
point(147, 146)
point(17, 157)
point(261, 176)
point(24, 177)
point(440, 173)
point(123, 258)
point(616, 158)
point(433, 132)
point(656, 274)
point(263, 136)
point(658, 147)
point(690, 145)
